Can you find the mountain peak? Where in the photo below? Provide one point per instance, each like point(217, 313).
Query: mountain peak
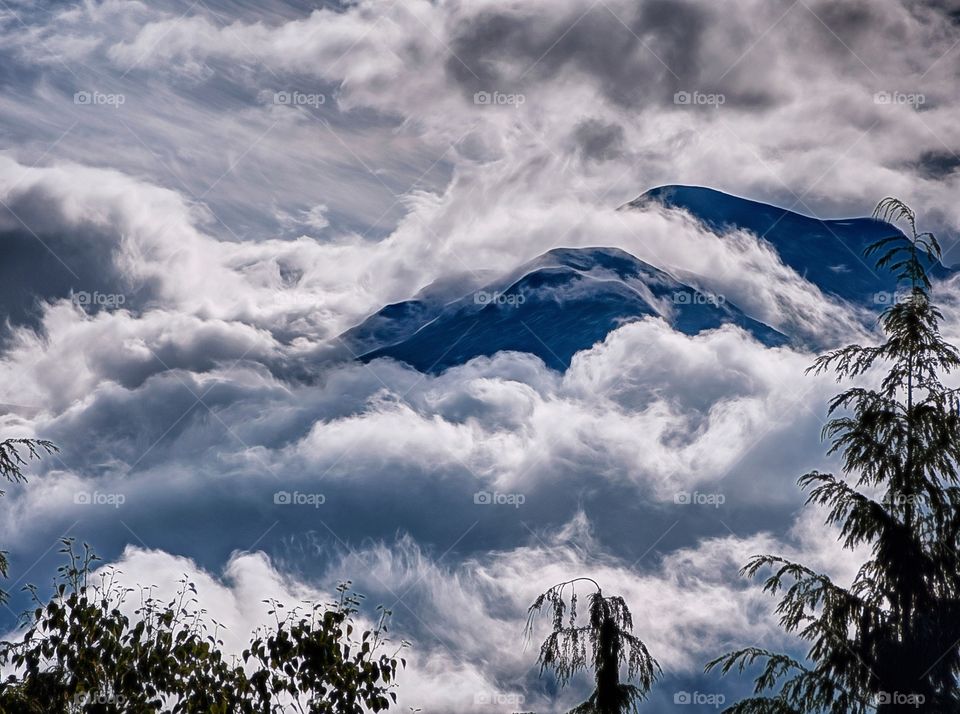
point(826, 252)
point(568, 299)
point(554, 306)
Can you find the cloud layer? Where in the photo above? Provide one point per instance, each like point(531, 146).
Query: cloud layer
point(196, 201)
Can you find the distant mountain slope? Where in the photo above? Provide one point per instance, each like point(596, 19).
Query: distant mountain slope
point(828, 253)
point(565, 301)
point(568, 299)
point(398, 321)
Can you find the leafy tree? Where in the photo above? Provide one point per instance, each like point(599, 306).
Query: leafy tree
point(891, 642)
point(81, 653)
point(608, 634)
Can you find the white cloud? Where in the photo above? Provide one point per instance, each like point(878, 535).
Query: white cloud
point(195, 192)
point(650, 406)
point(687, 608)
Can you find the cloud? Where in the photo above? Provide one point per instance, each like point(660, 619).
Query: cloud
point(274, 174)
point(598, 140)
point(649, 413)
point(687, 608)
point(437, 56)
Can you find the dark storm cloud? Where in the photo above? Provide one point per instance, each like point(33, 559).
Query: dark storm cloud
point(43, 260)
point(167, 426)
point(637, 58)
point(938, 10)
point(851, 21)
point(598, 140)
point(937, 165)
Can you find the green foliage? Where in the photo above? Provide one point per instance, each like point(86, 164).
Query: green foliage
point(889, 642)
point(81, 653)
point(608, 635)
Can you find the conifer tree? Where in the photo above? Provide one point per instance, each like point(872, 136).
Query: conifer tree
point(890, 642)
point(608, 634)
point(14, 454)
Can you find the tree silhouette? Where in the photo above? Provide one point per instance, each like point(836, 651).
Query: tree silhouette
point(14, 454)
point(608, 634)
point(12, 458)
point(80, 653)
point(889, 643)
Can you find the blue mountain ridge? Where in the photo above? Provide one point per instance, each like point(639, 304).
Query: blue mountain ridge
point(564, 301)
point(569, 299)
point(828, 253)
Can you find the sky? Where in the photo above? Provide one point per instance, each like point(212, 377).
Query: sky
point(197, 198)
